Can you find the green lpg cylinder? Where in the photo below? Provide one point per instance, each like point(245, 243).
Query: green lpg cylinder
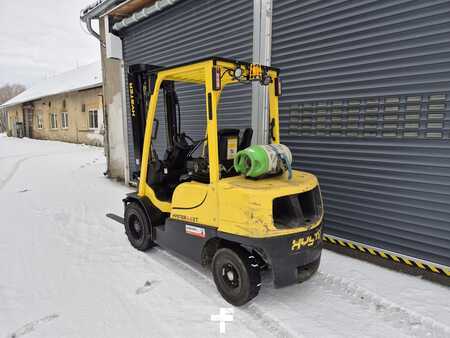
point(262, 160)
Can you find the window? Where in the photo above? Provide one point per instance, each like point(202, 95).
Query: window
point(64, 104)
point(53, 121)
point(39, 121)
point(83, 108)
point(93, 119)
point(64, 120)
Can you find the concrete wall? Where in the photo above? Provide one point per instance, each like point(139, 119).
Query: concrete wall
point(3, 121)
point(115, 143)
point(14, 117)
point(78, 130)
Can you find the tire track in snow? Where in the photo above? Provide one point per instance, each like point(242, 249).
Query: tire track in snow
point(31, 326)
point(18, 163)
point(393, 311)
point(13, 171)
point(199, 279)
point(14, 156)
point(415, 323)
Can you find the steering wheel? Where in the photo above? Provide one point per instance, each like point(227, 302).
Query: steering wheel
point(181, 141)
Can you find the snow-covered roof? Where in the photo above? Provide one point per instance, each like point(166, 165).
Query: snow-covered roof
point(84, 77)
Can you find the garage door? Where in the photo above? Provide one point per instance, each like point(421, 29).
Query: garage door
point(188, 31)
point(366, 108)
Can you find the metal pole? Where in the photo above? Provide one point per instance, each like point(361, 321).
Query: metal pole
point(262, 50)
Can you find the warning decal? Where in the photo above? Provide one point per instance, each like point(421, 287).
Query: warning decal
point(195, 231)
point(231, 147)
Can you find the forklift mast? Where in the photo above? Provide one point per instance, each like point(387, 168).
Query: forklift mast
point(140, 84)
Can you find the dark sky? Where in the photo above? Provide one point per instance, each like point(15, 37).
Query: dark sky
point(40, 38)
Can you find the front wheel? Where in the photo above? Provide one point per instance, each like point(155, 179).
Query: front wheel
point(236, 274)
point(138, 227)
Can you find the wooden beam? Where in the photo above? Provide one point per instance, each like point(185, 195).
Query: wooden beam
point(129, 7)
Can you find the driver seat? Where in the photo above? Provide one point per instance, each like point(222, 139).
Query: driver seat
point(164, 176)
point(228, 140)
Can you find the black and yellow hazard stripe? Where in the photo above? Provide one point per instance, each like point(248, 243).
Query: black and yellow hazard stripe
point(412, 262)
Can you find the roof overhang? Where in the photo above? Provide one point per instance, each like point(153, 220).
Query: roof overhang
point(115, 8)
point(37, 98)
point(122, 12)
point(75, 80)
point(129, 7)
point(98, 8)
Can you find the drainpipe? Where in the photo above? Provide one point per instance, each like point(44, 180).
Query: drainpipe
point(88, 22)
point(93, 11)
point(105, 133)
point(92, 31)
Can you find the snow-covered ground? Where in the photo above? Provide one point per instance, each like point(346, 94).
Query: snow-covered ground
point(66, 270)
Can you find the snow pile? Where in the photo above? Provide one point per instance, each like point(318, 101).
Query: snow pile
point(417, 323)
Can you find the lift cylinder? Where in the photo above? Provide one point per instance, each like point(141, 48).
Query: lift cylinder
point(263, 160)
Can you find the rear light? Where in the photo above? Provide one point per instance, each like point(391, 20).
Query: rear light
point(216, 80)
point(238, 73)
point(277, 86)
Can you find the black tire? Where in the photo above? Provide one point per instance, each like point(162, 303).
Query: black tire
point(138, 227)
point(236, 274)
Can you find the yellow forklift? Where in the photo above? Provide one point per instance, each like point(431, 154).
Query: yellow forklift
point(200, 204)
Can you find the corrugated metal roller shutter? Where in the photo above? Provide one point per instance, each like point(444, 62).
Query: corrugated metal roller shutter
point(192, 30)
point(366, 108)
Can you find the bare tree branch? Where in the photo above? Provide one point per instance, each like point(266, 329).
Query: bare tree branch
point(8, 91)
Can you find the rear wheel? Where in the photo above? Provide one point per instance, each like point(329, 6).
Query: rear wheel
point(138, 227)
point(236, 274)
